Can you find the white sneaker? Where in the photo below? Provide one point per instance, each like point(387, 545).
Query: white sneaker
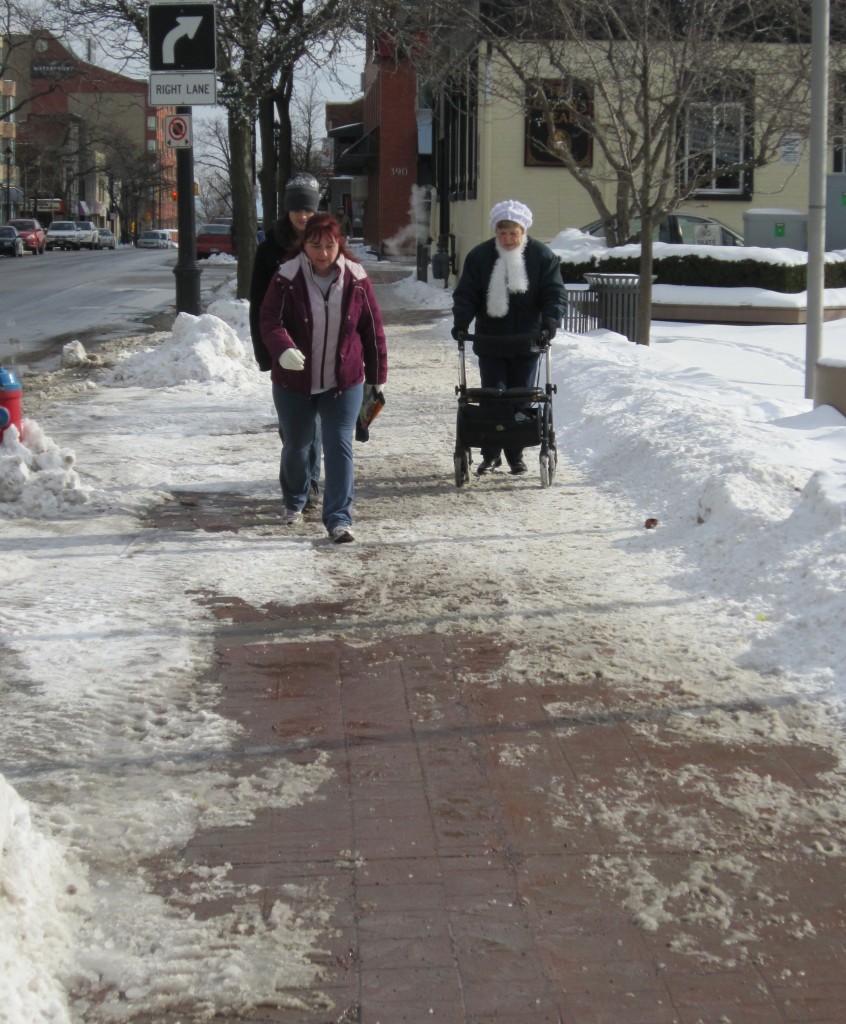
point(342, 535)
point(291, 516)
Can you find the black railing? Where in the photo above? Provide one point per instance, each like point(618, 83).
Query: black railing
point(582, 313)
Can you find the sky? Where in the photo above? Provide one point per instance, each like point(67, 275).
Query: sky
point(707, 431)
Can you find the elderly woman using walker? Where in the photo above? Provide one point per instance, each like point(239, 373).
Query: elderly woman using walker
point(323, 328)
point(510, 284)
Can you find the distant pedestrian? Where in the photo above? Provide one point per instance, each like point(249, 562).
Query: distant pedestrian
point(322, 325)
point(343, 219)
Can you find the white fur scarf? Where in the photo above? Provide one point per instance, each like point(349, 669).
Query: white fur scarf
point(507, 278)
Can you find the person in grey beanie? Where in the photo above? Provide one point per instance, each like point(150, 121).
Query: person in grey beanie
point(510, 284)
point(282, 243)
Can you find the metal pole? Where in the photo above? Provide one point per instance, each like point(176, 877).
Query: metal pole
point(816, 190)
point(187, 271)
point(8, 184)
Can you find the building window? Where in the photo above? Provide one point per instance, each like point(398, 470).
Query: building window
point(554, 112)
point(457, 137)
point(838, 135)
point(7, 101)
point(151, 122)
point(716, 134)
point(151, 145)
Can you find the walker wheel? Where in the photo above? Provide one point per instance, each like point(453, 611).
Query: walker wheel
point(462, 468)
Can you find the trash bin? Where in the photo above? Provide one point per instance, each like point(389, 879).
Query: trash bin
point(10, 401)
point(617, 301)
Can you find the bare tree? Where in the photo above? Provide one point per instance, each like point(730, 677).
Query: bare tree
point(18, 20)
point(213, 167)
point(260, 43)
point(307, 117)
point(645, 103)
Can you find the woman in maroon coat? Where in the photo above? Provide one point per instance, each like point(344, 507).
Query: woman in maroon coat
point(322, 326)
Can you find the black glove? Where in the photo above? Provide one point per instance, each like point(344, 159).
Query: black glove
point(459, 333)
point(550, 328)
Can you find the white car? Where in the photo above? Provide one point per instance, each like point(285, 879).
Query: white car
point(154, 239)
point(88, 234)
point(62, 234)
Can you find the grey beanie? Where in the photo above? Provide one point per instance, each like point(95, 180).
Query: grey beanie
point(302, 193)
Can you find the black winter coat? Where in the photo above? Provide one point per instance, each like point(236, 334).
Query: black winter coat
point(280, 245)
point(546, 298)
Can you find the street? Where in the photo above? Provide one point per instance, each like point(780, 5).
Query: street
point(52, 299)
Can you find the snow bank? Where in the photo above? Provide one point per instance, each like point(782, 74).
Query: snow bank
point(37, 477)
point(200, 348)
point(38, 893)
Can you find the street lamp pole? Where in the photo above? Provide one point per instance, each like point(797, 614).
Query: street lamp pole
point(8, 183)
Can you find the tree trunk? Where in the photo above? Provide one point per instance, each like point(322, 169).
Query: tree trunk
point(243, 199)
point(269, 163)
point(282, 99)
point(644, 300)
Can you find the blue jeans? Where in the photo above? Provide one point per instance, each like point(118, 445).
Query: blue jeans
point(520, 372)
point(297, 415)
point(313, 455)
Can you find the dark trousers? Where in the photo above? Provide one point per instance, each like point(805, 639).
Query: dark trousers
point(519, 372)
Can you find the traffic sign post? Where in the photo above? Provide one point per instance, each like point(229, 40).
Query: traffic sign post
point(182, 41)
point(178, 131)
point(194, 87)
point(182, 37)
point(187, 270)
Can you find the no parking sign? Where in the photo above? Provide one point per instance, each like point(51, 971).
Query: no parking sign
point(178, 131)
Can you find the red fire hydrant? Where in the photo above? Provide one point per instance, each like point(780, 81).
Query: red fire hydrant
point(10, 401)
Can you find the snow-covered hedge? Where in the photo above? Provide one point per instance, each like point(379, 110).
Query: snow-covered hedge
point(715, 266)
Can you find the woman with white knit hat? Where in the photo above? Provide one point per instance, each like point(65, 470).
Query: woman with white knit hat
point(510, 284)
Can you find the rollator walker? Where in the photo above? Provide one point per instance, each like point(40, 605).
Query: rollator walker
point(505, 417)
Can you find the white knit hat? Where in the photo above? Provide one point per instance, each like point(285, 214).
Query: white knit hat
point(512, 209)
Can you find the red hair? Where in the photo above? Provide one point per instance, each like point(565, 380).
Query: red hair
point(322, 227)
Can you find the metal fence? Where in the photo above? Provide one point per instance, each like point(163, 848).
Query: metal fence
point(609, 301)
point(582, 314)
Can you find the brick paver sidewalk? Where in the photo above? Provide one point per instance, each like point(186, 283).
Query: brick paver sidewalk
point(457, 897)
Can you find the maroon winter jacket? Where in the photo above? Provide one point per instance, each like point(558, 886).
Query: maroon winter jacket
point(287, 322)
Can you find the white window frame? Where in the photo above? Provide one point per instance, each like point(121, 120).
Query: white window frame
point(710, 140)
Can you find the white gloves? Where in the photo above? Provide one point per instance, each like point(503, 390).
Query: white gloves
point(292, 359)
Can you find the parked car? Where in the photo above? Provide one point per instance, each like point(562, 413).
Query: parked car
point(63, 234)
point(107, 239)
point(155, 238)
point(33, 233)
point(213, 239)
point(680, 229)
point(11, 241)
point(88, 234)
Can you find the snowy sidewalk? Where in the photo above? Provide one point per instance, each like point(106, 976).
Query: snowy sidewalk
point(500, 847)
point(488, 765)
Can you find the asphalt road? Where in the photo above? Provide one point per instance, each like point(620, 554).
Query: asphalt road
point(46, 301)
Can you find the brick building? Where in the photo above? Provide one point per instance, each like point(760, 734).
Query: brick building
point(10, 195)
point(89, 144)
point(388, 162)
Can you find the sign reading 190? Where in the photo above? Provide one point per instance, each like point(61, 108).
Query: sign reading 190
point(402, 171)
